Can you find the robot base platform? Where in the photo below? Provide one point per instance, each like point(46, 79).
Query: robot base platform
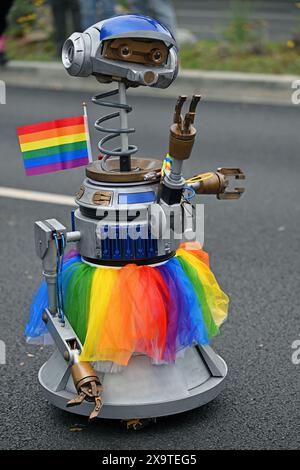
point(142, 390)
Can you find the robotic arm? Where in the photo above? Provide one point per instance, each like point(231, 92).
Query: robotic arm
point(182, 137)
point(50, 239)
point(217, 183)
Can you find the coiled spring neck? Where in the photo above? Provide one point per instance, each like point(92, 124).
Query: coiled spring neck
point(124, 151)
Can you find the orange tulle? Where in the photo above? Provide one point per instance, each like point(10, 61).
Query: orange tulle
point(195, 249)
point(136, 318)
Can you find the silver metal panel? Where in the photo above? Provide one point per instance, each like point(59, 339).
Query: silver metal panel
point(142, 390)
point(193, 368)
point(58, 373)
point(90, 246)
point(212, 360)
point(87, 245)
point(90, 188)
point(164, 383)
point(60, 333)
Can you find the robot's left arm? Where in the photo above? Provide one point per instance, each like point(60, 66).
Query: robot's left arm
point(217, 183)
point(50, 239)
point(181, 141)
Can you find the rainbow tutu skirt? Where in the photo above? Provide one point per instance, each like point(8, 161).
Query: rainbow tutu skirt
point(153, 310)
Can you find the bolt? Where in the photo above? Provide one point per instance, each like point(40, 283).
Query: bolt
point(66, 355)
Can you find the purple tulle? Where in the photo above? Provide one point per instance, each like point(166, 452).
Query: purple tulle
point(71, 254)
point(185, 322)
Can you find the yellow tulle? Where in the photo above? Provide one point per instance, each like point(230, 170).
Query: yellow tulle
point(216, 299)
point(103, 286)
point(128, 313)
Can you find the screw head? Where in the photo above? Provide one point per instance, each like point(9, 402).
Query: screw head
point(66, 355)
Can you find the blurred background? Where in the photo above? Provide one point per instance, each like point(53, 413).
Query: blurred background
point(238, 35)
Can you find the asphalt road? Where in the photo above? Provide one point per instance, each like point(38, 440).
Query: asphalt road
point(254, 248)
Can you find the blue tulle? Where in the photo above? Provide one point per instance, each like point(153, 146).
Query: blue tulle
point(68, 274)
point(185, 321)
point(36, 327)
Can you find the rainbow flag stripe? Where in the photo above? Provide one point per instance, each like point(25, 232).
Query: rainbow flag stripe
point(54, 145)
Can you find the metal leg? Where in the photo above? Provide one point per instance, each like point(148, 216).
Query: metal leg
point(85, 378)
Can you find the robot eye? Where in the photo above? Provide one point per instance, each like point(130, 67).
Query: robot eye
point(125, 51)
point(156, 56)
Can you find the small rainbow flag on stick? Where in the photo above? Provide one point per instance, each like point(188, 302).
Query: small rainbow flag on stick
point(55, 145)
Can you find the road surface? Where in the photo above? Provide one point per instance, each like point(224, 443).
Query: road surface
point(254, 248)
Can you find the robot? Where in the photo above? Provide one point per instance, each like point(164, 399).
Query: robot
point(131, 215)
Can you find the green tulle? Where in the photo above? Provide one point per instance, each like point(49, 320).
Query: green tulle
point(77, 285)
point(191, 272)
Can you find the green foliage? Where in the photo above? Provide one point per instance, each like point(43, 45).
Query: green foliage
point(240, 28)
point(242, 31)
point(124, 4)
point(23, 17)
point(244, 48)
point(294, 41)
point(211, 55)
point(40, 50)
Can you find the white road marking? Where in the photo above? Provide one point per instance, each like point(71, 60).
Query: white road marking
point(37, 196)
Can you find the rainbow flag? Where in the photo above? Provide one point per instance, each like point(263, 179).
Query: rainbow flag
point(55, 145)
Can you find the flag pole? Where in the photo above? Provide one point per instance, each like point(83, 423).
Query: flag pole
point(86, 125)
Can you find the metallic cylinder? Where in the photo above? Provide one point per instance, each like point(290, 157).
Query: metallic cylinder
point(125, 163)
point(50, 274)
point(83, 373)
point(73, 236)
point(176, 170)
point(216, 184)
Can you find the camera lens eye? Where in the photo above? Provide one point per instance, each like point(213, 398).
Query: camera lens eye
point(156, 56)
point(125, 51)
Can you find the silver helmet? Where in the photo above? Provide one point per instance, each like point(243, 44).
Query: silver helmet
point(133, 48)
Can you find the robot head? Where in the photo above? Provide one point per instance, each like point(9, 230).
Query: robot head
point(133, 48)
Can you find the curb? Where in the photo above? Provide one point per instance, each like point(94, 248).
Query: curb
point(214, 86)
